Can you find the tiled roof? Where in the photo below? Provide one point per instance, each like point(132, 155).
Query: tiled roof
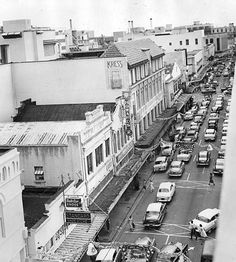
point(38, 133)
point(134, 50)
point(67, 112)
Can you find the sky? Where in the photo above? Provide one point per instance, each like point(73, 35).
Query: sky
point(107, 16)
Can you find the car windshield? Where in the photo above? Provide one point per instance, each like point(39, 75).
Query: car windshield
point(152, 213)
point(210, 131)
point(164, 190)
point(135, 253)
point(158, 162)
point(202, 218)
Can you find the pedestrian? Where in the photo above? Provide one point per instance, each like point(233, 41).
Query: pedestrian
point(196, 232)
point(192, 229)
point(131, 223)
point(202, 231)
point(144, 184)
point(151, 185)
point(211, 181)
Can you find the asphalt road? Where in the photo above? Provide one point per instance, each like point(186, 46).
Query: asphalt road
point(193, 194)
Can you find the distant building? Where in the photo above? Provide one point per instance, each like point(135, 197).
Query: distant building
point(13, 233)
point(118, 35)
point(21, 42)
point(195, 62)
point(220, 41)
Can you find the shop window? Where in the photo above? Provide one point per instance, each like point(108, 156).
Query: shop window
point(90, 163)
point(39, 173)
point(196, 41)
point(206, 41)
point(107, 147)
point(187, 41)
point(99, 155)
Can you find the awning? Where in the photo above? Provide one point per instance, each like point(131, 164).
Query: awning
point(182, 100)
point(12, 35)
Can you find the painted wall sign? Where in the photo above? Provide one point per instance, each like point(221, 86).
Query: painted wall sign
point(75, 217)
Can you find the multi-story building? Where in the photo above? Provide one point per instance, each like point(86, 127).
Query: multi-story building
point(220, 41)
point(20, 42)
point(12, 226)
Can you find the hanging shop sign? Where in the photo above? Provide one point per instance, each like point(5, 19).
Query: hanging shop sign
point(76, 217)
point(127, 115)
point(74, 201)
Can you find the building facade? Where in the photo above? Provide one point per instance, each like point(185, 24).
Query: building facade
point(220, 41)
point(12, 226)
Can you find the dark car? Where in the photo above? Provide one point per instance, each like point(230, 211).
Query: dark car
point(212, 124)
point(173, 252)
point(154, 215)
point(203, 158)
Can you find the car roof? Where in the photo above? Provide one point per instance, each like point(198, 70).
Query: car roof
point(154, 206)
point(209, 212)
point(144, 241)
point(176, 162)
point(220, 161)
point(165, 185)
point(203, 153)
point(210, 130)
point(161, 158)
point(106, 254)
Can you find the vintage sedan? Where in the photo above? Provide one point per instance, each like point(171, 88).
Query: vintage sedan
point(214, 116)
point(191, 136)
point(154, 215)
point(194, 126)
point(204, 158)
point(210, 134)
point(213, 124)
point(184, 155)
point(161, 163)
point(198, 119)
point(109, 255)
point(188, 115)
point(165, 192)
point(207, 218)
point(176, 168)
point(219, 166)
point(173, 252)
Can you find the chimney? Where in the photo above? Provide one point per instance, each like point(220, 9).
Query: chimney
point(150, 23)
point(132, 25)
point(128, 27)
point(71, 24)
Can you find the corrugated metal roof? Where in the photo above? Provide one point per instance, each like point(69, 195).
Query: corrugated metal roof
point(38, 133)
point(134, 50)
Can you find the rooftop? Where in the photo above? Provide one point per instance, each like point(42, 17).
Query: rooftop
point(3, 151)
point(30, 112)
point(134, 50)
point(194, 52)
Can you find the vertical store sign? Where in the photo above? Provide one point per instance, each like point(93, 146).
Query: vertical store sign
point(127, 116)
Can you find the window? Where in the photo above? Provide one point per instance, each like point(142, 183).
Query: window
point(180, 42)
point(138, 98)
point(49, 49)
point(170, 43)
point(206, 41)
point(90, 163)
point(99, 155)
point(107, 147)
point(39, 173)
point(187, 41)
point(211, 40)
point(196, 41)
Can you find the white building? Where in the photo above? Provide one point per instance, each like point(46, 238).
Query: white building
point(12, 227)
point(20, 42)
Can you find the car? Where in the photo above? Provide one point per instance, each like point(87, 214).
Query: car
point(194, 109)
point(184, 155)
point(210, 134)
point(221, 152)
point(215, 109)
point(176, 168)
point(203, 158)
point(109, 255)
point(219, 104)
point(203, 108)
point(188, 115)
point(165, 192)
point(201, 113)
point(140, 251)
point(173, 252)
point(214, 83)
point(227, 109)
point(227, 115)
point(226, 123)
point(225, 73)
point(181, 130)
point(194, 126)
point(219, 166)
point(214, 116)
point(208, 90)
point(167, 148)
point(154, 215)
point(161, 163)
point(191, 136)
point(205, 103)
point(198, 119)
point(212, 124)
point(208, 218)
point(223, 140)
point(224, 130)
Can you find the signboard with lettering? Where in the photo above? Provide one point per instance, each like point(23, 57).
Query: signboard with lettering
point(126, 97)
point(74, 201)
point(75, 217)
point(115, 69)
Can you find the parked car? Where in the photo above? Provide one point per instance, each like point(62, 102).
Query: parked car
point(226, 123)
point(198, 119)
point(165, 192)
point(214, 116)
point(181, 131)
point(191, 136)
point(188, 115)
point(194, 109)
point(161, 163)
point(227, 109)
point(223, 140)
point(154, 215)
point(210, 134)
point(221, 153)
point(167, 148)
point(183, 155)
point(215, 109)
point(201, 113)
point(194, 126)
point(219, 166)
point(224, 130)
point(176, 168)
point(212, 124)
point(207, 218)
point(109, 255)
point(173, 253)
point(219, 104)
point(205, 103)
point(203, 158)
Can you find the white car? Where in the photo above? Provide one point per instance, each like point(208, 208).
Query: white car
point(184, 155)
point(161, 163)
point(225, 131)
point(219, 166)
point(176, 168)
point(165, 192)
point(207, 218)
point(188, 115)
point(223, 140)
point(108, 255)
point(210, 135)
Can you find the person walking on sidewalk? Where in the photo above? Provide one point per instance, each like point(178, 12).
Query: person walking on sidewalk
point(151, 185)
point(131, 223)
point(192, 230)
point(211, 181)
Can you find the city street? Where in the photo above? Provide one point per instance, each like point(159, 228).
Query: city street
point(193, 194)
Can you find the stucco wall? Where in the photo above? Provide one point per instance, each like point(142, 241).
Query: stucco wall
point(64, 81)
point(7, 105)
